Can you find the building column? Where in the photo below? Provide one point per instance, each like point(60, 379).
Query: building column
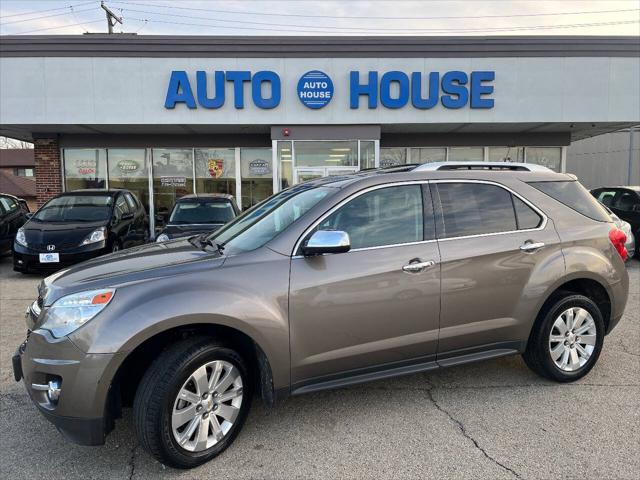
point(48, 169)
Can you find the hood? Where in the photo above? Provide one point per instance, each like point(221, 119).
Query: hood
point(177, 231)
point(63, 235)
point(129, 266)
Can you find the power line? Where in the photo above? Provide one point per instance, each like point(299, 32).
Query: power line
point(314, 27)
point(454, 17)
point(443, 30)
point(60, 26)
point(46, 16)
point(44, 11)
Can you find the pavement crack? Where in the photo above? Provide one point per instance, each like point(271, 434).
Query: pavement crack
point(132, 461)
point(625, 349)
point(466, 434)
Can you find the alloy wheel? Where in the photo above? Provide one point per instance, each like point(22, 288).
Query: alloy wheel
point(207, 406)
point(572, 339)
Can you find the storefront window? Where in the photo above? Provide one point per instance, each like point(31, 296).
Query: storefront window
point(172, 178)
point(428, 155)
point(506, 154)
point(466, 154)
point(549, 157)
point(216, 170)
point(367, 155)
point(390, 157)
point(285, 156)
point(128, 170)
point(257, 175)
point(85, 168)
point(326, 153)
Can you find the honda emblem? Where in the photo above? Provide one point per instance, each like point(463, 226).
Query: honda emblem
point(51, 248)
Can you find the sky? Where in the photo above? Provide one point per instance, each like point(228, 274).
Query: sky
point(324, 17)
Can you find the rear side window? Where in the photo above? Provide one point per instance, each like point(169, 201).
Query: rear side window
point(574, 196)
point(526, 217)
point(475, 209)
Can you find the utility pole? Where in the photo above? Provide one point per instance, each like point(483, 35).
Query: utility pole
point(112, 18)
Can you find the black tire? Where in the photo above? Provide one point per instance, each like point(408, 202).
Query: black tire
point(157, 392)
point(537, 356)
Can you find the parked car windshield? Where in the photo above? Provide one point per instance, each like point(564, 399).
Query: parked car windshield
point(264, 221)
point(194, 212)
point(75, 208)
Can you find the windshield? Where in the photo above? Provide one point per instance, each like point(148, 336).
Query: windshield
point(195, 212)
point(264, 221)
point(75, 208)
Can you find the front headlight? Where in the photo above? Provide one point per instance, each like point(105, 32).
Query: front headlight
point(21, 239)
point(163, 237)
point(71, 312)
point(96, 236)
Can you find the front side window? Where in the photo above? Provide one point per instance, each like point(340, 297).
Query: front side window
point(606, 197)
point(475, 209)
point(385, 216)
point(75, 208)
point(121, 207)
point(266, 220)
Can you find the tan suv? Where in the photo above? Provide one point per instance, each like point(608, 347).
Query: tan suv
point(329, 283)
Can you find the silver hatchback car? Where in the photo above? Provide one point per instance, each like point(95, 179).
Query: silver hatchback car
point(329, 283)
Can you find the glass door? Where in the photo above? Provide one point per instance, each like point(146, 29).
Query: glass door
point(306, 174)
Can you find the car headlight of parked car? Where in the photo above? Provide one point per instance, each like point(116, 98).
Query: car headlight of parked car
point(69, 313)
point(163, 237)
point(21, 239)
point(98, 235)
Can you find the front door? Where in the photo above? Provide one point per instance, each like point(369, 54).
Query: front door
point(369, 308)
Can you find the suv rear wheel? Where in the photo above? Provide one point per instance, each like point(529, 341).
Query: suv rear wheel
point(192, 402)
point(567, 339)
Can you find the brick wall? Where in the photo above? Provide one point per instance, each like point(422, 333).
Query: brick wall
point(48, 169)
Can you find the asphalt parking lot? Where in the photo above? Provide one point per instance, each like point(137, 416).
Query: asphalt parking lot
point(494, 419)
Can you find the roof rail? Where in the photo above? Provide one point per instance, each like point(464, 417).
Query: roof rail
point(510, 166)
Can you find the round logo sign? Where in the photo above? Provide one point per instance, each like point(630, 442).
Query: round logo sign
point(315, 89)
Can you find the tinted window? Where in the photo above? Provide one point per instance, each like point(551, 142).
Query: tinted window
point(386, 216)
point(625, 201)
point(202, 212)
point(121, 206)
point(133, 205)
point(75, 208)
point(606, 196)
point(574, 196)
point(475, 208)
point(526, 216)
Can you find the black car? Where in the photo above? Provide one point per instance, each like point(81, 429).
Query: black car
point(77, 226)
point(13, 214)
point(195, 214)
point(625, 203)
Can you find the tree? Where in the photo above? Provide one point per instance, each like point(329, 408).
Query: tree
point(6, 142)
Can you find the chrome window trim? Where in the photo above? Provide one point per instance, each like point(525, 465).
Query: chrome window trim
point(348, 199)
point(489, 182)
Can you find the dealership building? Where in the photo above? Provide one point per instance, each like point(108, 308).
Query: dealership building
point(165, 116)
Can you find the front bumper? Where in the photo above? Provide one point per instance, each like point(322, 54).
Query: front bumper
point(80, 413)
point(27, 259)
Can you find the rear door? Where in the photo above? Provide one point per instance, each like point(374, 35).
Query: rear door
point(491, 244)
point(368, 309)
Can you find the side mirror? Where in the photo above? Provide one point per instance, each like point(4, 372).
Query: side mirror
point(327, 241)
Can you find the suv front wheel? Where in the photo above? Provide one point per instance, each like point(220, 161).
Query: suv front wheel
point(192, 402)
point(567, 339)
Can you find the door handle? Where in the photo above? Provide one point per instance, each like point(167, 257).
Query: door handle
point(531, 246)
point(417, 266)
